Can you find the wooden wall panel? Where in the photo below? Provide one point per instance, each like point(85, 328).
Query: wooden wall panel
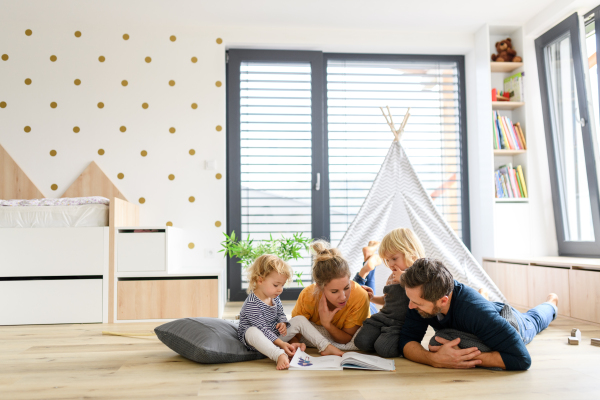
point(585, 294)
point(167, 299)
point(14, 183)
point(93, 182)
point(544, 280)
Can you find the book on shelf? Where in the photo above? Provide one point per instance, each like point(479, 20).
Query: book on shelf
point(507, 136)
point(510, 182)
point(302, 361)
point(514, 86)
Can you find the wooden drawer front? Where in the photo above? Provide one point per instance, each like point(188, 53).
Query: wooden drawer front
point(141, 252)
point(52, 251)
point(50, 301)
point(544, 280)
point(512, 281)
point(167, 299)
point(585, 295)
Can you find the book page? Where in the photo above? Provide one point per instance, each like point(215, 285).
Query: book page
point(303, 361)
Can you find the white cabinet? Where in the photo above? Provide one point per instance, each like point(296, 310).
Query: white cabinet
point(148, 249)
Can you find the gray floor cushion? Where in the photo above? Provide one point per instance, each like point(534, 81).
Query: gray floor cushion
point(205, 340)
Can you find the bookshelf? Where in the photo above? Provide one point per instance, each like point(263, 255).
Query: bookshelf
point(506, 105)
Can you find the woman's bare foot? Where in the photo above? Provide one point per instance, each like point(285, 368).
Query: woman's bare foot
point(552, 298)
point(484, 293)
point(331, 350)
point(283, 362)
point(370, 249)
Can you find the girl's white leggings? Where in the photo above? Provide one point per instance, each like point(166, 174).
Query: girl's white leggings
point(299, 324)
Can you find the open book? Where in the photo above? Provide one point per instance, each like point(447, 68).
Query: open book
point(303, 361)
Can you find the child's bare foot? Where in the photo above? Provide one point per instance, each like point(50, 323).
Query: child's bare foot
point(300, 346)
point(484, 293)
point(369, 250)
point(552, 298)
point(283, 362)
point(331, 350)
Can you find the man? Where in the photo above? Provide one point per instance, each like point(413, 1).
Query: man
point(437, 300)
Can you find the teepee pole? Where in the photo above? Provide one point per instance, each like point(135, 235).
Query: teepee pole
point(390, 121)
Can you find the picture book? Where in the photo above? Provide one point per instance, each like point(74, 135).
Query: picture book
point(304, 362)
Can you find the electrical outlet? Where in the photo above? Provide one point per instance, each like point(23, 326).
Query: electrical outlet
point(209, 253)
point(210, 165)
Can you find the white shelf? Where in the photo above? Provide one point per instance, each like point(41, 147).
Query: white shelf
point(179, 273)
point(509, 152)
point(512, 200)
point(504, 66)
point(506, 105)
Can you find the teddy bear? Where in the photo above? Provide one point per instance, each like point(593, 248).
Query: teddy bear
point(505, 52)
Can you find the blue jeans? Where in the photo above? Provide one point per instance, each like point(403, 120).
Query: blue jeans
point(535, 320)
point(370, 282)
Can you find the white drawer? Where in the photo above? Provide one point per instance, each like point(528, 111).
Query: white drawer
point(50, 301)
point(52, 251)
point(141, 252)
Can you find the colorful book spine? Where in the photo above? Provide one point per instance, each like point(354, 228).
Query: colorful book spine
point(499, 191)
point(522, 177)
point(522, 135)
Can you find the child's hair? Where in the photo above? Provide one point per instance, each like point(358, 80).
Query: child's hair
point(328, 263)
point(402, 240)
point(263, 266)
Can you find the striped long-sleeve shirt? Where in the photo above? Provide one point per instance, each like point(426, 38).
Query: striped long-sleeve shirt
point(256, 313)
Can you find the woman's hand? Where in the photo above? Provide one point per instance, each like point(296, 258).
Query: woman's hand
point(369, 291)
point(282, 328)
point(325, 314)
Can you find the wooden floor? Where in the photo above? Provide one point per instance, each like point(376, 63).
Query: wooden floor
point(76, 361)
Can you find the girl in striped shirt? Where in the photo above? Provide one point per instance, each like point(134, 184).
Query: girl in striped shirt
point(263, 324)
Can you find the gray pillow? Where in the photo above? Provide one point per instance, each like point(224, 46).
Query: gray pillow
point(205, 340)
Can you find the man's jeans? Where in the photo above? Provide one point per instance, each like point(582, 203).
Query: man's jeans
point(535, 320)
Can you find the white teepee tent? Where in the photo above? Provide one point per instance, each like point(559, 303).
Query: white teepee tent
point(398, 199)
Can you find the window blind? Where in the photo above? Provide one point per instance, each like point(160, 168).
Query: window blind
point(275, 133)
point(359, 137)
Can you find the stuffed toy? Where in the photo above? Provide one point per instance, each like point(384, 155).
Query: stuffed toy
point(505, 52)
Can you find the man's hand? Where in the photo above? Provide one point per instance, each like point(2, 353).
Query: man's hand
point(447, 356)
point(369, 291)
point(443, 341)
point(282, 328)
point(324, 313)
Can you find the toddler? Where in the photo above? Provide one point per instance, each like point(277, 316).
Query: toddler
point(399, 249)
point(263, 324)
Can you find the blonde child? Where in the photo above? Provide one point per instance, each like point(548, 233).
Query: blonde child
point(399, 249)
point(263, 324)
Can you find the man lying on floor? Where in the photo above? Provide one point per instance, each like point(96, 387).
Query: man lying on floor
point(437, 300)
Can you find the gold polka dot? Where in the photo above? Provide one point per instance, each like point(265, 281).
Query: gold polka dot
point(77, 34)
point(194, 60)
point(219, 128)
point(120, 176)
point(101, 152)
point(171, 177)
point(52, 153)
point(145, 106)
point(28, 32)
point(192, 199)
point(171, 83)
point(218, 224)
point(77, 82)
point(27, 129)
point(142, 200)
point(219, 40)
point(218, 176)
point(123, 129)
point(28, 81)
point(4, 57)
point(101, 105)
point(52, 58)
point(125, 37)
point(54, 186)
point(218, 83)
point(172, 130)
point(3, 104)
point(53, 104)
point(169, 223)
point(192, 152)
point(191, 245)
point(76, 129)
point(101, 58)
point(194, 106)
point(144, 153)
point(173, 38)
point(124, 83)
point(148, 59)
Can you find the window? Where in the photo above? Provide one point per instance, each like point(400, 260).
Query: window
point(306, 139)
point(569, 138)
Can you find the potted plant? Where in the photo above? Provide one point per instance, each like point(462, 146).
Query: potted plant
point(246, 251)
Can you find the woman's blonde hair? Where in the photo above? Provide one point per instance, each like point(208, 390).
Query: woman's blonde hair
point(402, 240)
point(263, 266)
point(328, 263)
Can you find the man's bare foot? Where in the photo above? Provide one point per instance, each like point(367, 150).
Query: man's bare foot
point(300, 346)
point(484, 293)
point(331, 350)
point(283, 362)
point(552, 298)
point(369, 250)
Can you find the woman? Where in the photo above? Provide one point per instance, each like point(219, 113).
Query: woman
point(334, 301)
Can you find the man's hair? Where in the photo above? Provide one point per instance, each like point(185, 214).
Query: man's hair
point(433, 277)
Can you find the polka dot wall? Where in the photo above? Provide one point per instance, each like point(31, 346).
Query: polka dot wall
point(146, 103)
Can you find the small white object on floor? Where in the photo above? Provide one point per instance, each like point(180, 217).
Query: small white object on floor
point(573, 340)
point(576, 333)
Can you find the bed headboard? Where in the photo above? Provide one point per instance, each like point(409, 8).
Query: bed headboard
point(93, 182)
point(14, 183)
